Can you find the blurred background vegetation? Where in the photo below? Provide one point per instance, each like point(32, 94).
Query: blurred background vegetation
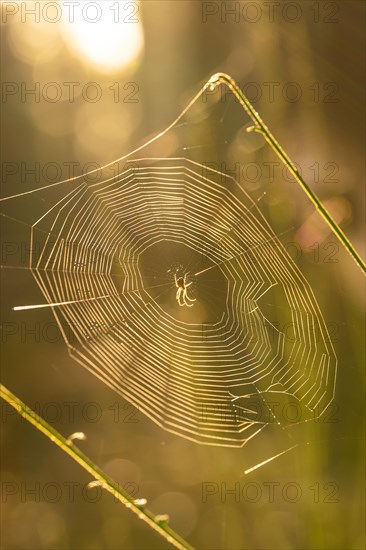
point(145, 67)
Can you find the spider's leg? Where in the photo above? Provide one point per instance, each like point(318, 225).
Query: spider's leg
point(177, 296)
point(188, 298)
point(185, 298)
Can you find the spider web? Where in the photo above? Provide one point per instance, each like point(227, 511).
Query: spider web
point(105, 256)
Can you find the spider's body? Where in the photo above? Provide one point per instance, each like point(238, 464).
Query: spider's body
point(181, 294)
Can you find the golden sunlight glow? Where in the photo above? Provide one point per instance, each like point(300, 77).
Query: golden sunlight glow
point(108, 34)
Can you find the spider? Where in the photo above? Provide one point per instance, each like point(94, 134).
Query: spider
point(181, 295)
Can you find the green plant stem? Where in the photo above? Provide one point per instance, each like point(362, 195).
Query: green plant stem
point(222, 78)
point(104, 480)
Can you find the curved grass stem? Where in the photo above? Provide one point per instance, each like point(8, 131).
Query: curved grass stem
point(222, 78)
point(161, 527)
